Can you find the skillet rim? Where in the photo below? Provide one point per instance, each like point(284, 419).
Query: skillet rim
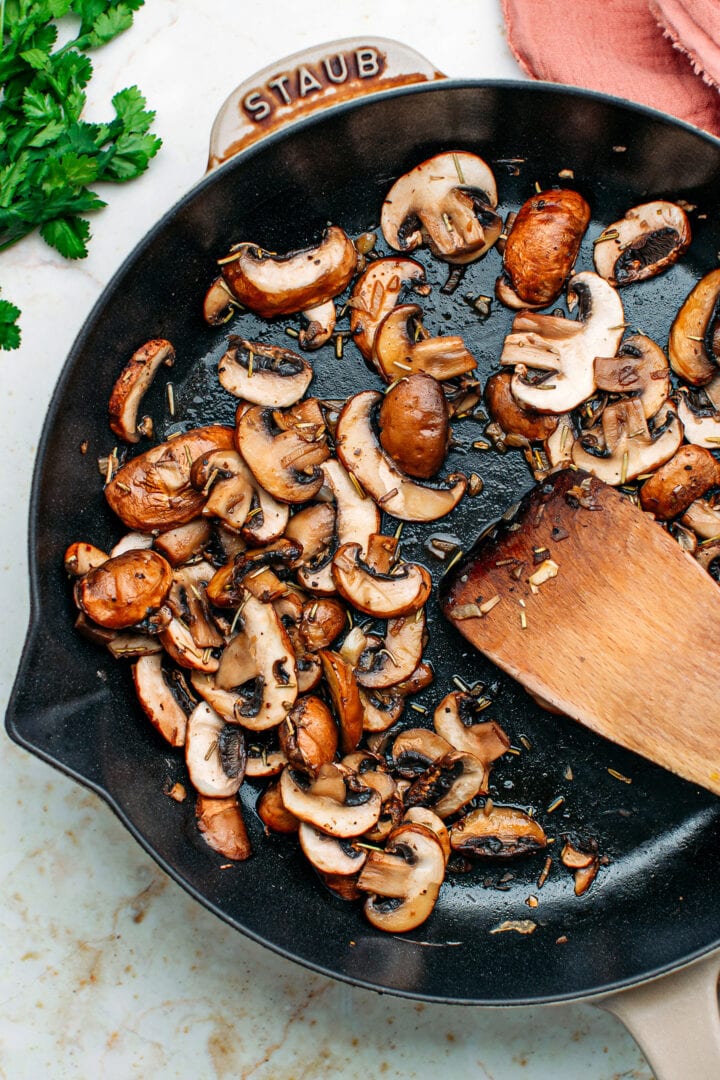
point(11, 718)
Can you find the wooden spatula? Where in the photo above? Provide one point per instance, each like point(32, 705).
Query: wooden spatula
point(624, 638)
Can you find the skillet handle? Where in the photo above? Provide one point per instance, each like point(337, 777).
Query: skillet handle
point(308, 82)
point(675, 1020)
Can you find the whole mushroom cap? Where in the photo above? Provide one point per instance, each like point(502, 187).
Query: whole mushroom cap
point(126, 589)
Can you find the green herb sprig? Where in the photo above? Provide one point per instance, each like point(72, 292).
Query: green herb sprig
point(48, 155)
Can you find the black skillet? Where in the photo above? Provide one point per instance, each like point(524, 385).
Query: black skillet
point(654, 907)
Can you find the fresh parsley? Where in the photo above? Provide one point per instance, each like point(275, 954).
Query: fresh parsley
point(49, 156)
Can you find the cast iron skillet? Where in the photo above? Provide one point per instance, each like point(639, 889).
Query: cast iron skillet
point(655, 905)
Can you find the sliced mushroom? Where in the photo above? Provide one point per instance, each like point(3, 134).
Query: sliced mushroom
point(640, 368)
point(449, 784)
point(414, 427)
point(382, 595)
point(274, 814)
point(399, 654)
point(624, 447)
point(80, 558)
point(178, 641)
point(266, 520)
point(182, 543)
point(214, 753)
point(703, 518)
point(262, 763)
point(273, 285)
point(694, 344)
point(558, 446)
point(687, 476)
point(356, 519)
point(541, 248)
point(360, 452)
point(649, 239)
point(308, 735)
point(584, 861)
point(420, 815)
point(221, 824)
point(328, 854)
point(500, 833)
point(125, 590)
point(219, 303)
point(401, 346)
point(264, 374)
point(376, 293)
point(403, 880)
point(343, 688)
point(158, 701)
point(314, 528)
point(416, 749)
point(188, 601)
point(224, 702)
point(358, 812)
point(153, 491)
point(260, 652)
point(133, 541)
point(511, 416)
point(453, 721)
point(564, 350)
point(285, 464)
point(699, 412)
point(381, 709)
point(447, 202)
point(130, 388)
point(707, 554)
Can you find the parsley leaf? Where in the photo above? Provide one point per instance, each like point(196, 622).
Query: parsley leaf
point(48, 153)
point(9, 330)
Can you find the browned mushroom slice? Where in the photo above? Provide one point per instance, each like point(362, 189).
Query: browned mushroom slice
point(221, 824)
point(125, 590)
point(224, 478)
point(130, 388)
point(398, 656)
point(623, 447)
point(554, 357)
point(401, 346)
point(501, 833)
point(447, 202)
point(355, 811)
point(453, 721)
point(422, 677)
point(414, 427)
point(694, 344)
point(420, 815)
point(179, 643)
point(345, 698)
point(263, 763)
point(541, 248)
point(214, 753)
point(320, 325)
point(511, 416)
point(314, 528)
point(263, 374)
point(219, 303)
point(707, 555)
point(274, 814)
point(382, 595)
point(132, 541)
point(703, 518)
point(403, 880)
point(267, 519)
point(80, 558)
point(259, 664)
point(224, 702)
point(558, 446)
point(640, 368)
point(188, 601)
point(687, 476)
point(321, 623)
point(415, 749)
point(284, 463)
point(376, 293)
point(381, 709)
point(153, 491)
point(361, 454)
point(584, 861)
point(699, 413)
point(182, 543)
point(273, 285)
point(158, 701)
point(648, 240)
point(328, 854)
point(449, 784)
point(308, 735)
point(356, 519)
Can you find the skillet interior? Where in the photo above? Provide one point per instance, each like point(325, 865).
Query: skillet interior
point(654, 905)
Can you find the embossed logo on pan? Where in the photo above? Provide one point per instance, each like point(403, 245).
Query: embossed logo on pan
point(301, 82)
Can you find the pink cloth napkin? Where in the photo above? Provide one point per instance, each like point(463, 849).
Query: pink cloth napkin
point(663, 53)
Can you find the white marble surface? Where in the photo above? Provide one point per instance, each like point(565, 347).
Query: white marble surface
point(106, 967)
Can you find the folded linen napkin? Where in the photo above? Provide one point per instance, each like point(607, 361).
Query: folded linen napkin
point(662, 53)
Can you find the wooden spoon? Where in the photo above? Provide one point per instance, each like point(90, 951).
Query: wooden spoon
point(624, 638)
